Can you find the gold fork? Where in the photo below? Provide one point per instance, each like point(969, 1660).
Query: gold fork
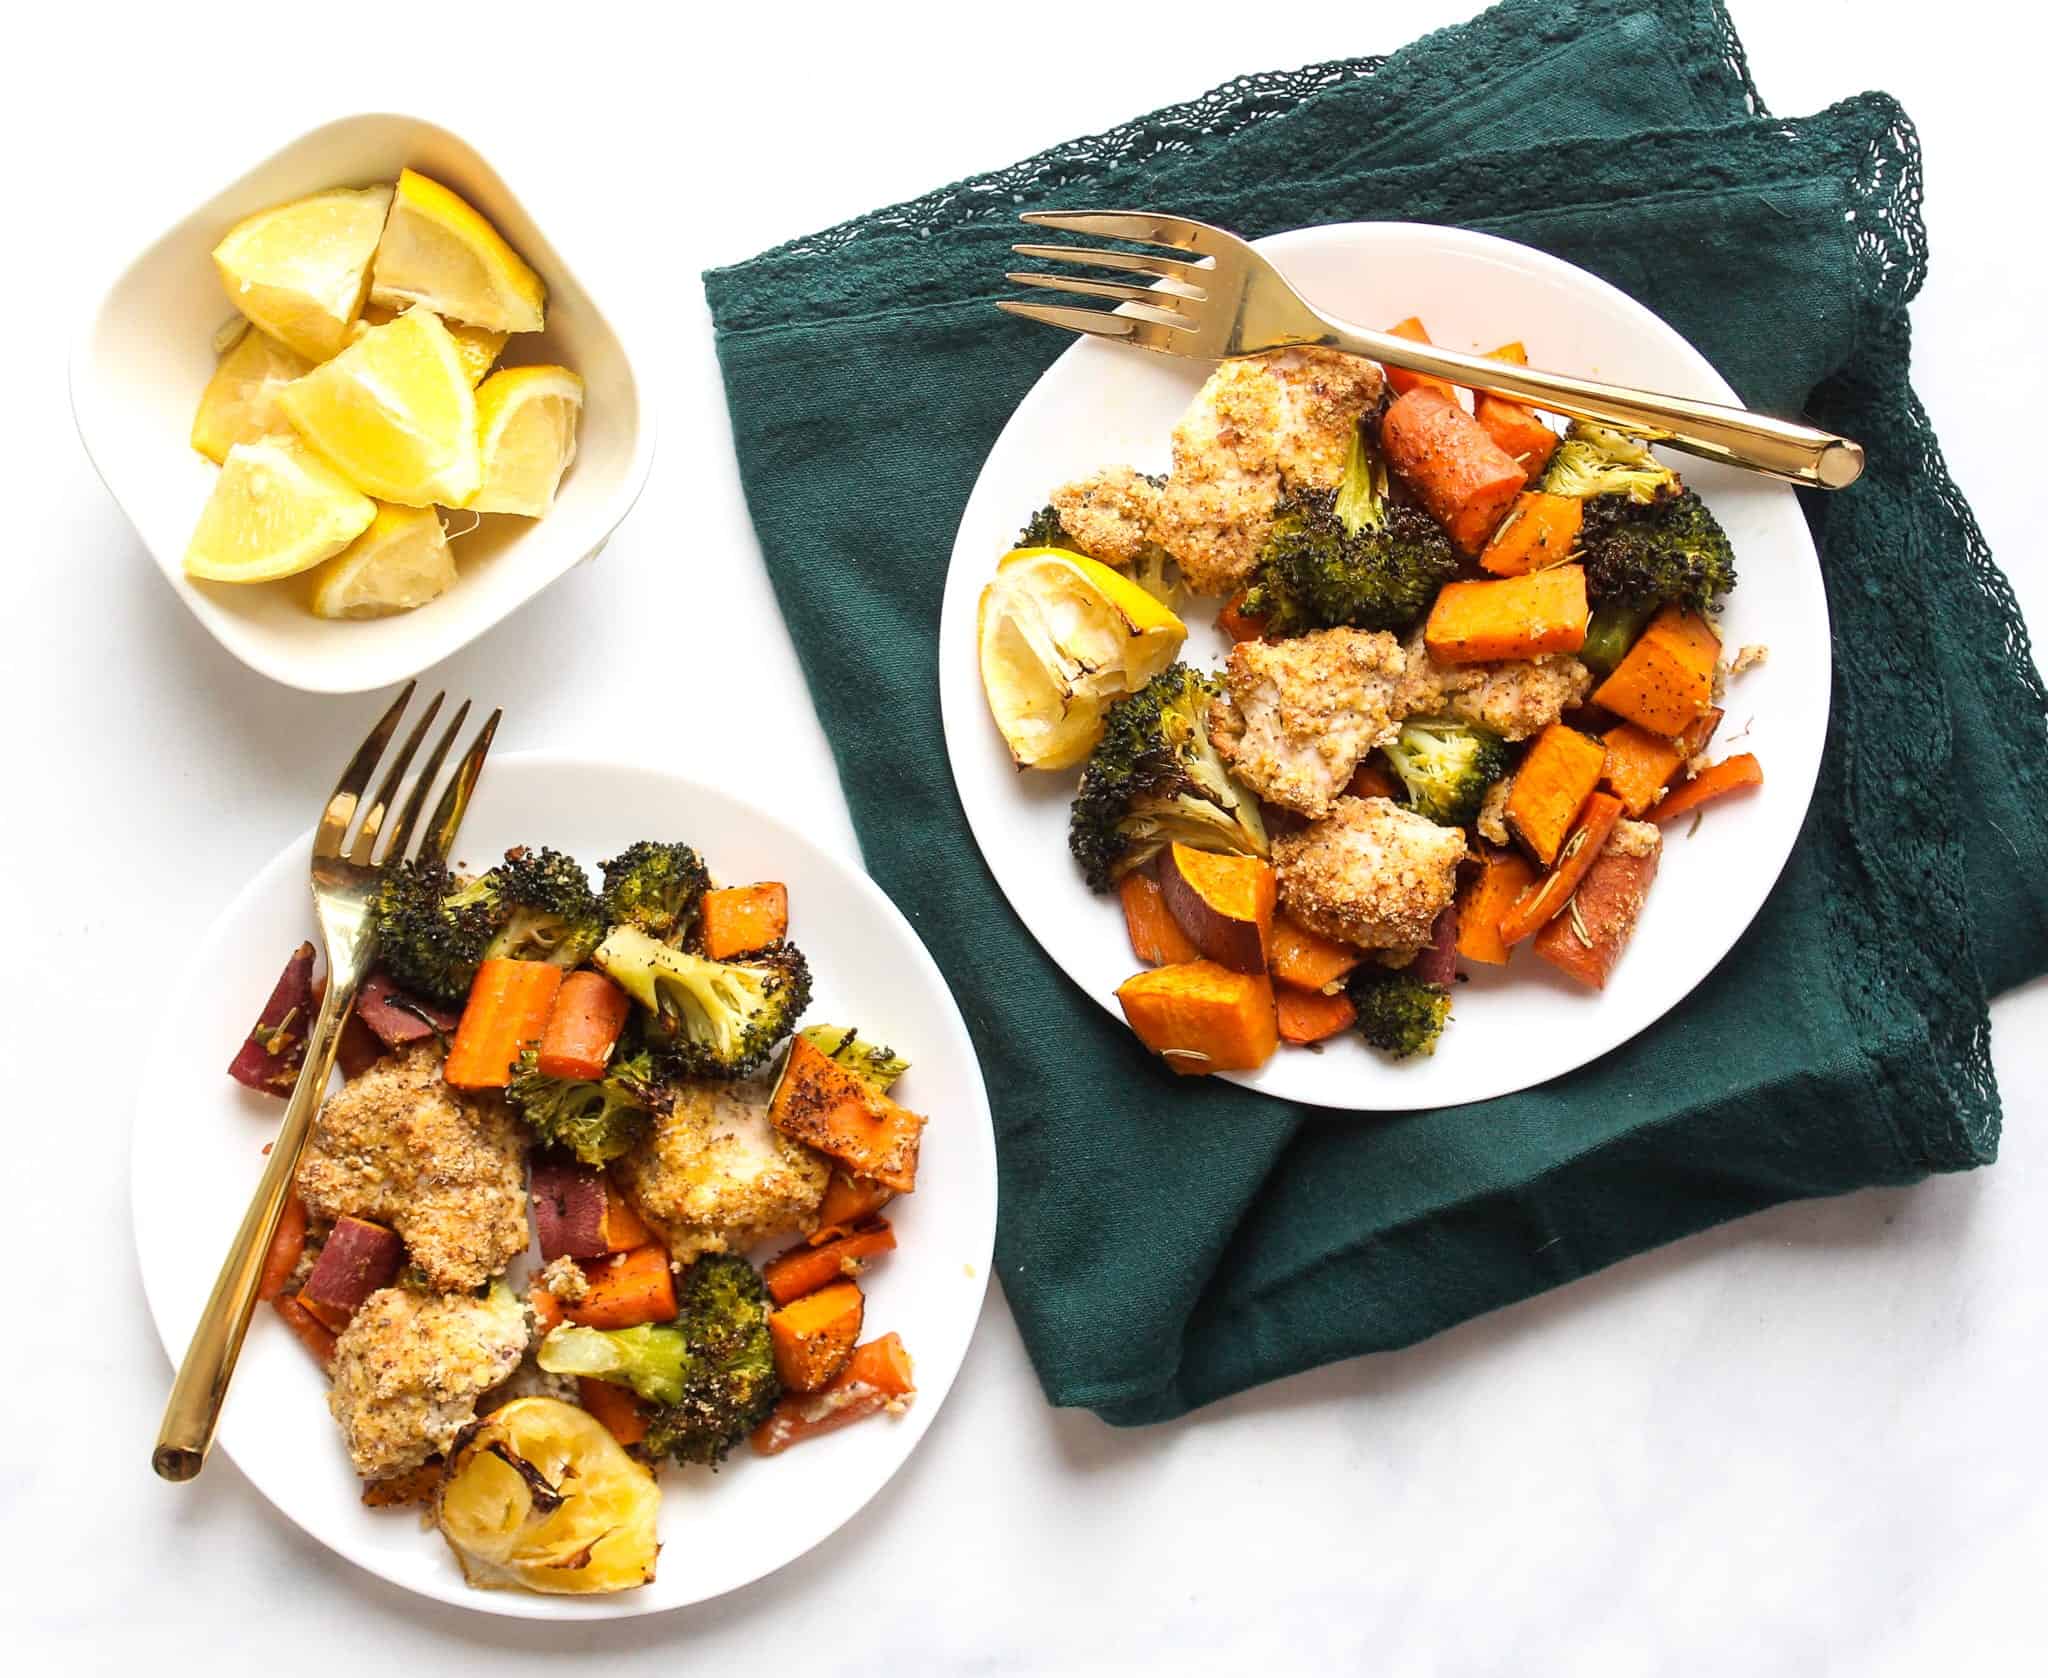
point(344, 888)
point(1231, 301)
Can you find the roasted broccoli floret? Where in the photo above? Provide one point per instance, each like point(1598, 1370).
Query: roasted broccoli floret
point(709, 1375)
point(1348, 556)
point(1397, 1012)
point(550, 912)
point(595, 1119)
point(1446, 767)
point(874, 1065)
point(432, 930)
point(1154, 778)
point(1597, 460)
point(656, 887)
point(705, 1018)
point(1670, 550)
point(1044, 530)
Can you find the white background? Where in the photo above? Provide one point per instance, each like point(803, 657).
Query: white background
point(1809, 1443)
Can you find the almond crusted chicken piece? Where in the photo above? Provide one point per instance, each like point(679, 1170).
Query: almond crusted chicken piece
point(1369, 873)
point(1261, 425)
point(1112, 515)
point(445, 1168)
point(715, 1175)
point(1515, 697)
point(1301, 713)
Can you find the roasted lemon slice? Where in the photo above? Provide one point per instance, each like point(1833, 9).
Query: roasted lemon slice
point(239, 403)
point(299, 271)
point(400, 562)
point(438, 251)
point(395, 412)
point(526, 433)
point(478, 347)
point(276, 509)
point(539, 1497)
point(1061, 637)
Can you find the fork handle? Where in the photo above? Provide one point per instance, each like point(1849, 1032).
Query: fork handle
point(1799, 454)
point(193, 1410)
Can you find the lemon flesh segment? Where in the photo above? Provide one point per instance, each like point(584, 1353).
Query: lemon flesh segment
point(438, 251)
point(526, 435)
point(403, 560)
point(299, 271)
point(540, 1497)
point(239, 403)
point(478, 348)
point(1062, 637)
point(277, 509)
point(395, 412)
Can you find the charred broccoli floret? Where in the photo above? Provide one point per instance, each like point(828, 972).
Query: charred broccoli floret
point(657, 888)
point(546, 907)
point(874, 1065)
point(1348, 556)
point(433, 929)
point(1446, 767)
point(1154, 777)
point(595, 1119)
point(1044, 530)
point(1670, 550)
point(705, 1018)
point(1398, 1013)
point(709, 1375)
point(1597, 460)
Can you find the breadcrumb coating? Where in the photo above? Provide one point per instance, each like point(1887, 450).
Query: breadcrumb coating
point(1369, 873)
point(1634, 838)
point(1301, 713)
point(1514, 697)
point(1492, 820)
point(1112, 515)
point(445, 1168)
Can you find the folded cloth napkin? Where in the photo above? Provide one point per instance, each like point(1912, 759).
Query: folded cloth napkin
point(1165, 1242)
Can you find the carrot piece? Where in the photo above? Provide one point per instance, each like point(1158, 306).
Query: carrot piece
point(849, 1200)
point(626, 1290)
point(1700, 731)
point(1200, 1016)
point(287, 1246)
point(583, 1027)
point(877, 1377)
point(1551, 788)
point(1156, 936)
point(1539, 531)
point(1639, 765)
point(507, 1011)
point(1461, 475)
point(1586, 942)
point(1666, 682)
point(547, 1309)
point(624, 1228)
point(1488, 895)
point(313, 1334)
point(1307, 1016)
point(1550, 894)
point(1223, 903)
point(742, 918)
point(1483, 621)
point(1514, 425)
point(615, 1406)
point(805, 1269)
point(1237, 623)
point(1306, 960)
point(820, 1103)
point(1741, 770)
point(813, 1337)
point(1400, 378)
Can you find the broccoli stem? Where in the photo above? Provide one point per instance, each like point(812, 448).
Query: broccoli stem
point(1611, 631)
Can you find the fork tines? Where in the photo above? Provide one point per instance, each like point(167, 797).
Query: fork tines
point(342, 804)
point(1171, 302)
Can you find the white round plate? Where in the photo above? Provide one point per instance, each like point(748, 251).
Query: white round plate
point(197, 1153)
point(1102, 404)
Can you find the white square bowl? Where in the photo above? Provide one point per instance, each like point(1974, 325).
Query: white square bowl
point(145, 356)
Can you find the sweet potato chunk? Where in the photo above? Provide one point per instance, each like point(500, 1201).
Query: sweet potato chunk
point(742, 918)
point(814, 1336)
point(1156, 937)
point(1560, 772)
point(849, 1200)
point(360, 1257)
point(1485, 900)
point(1666, 683)
point(1202, 1017)
point(820, 1103)
point(1306, 1016)
point(1588, 942)
point(1223, 903)
point(1307, 960)
point(1539, 531)
point(1512, 617)
point(627, 1289)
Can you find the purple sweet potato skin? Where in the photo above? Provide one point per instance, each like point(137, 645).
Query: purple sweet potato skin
point(1437, 963)
point(270, 1056)
point(568, 1208)
point(397, 1017)
point(360, 1257)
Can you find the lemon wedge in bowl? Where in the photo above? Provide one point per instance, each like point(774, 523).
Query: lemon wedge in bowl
point(401, 561)
point(540, 1497)
point(438, 251)
point(239, 403)
point(299, 270)
point(395, 412)
point(277, 509)
point(526, 435)
point(478, 347)
point(1061, 637)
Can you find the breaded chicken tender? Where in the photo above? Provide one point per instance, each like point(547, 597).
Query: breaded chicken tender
point(1261, 425)
point(1369, 873)
point(1112, 515)
point(1514, 697)
point(410, 1367)
point(714, 1175)
point(1301, 713)
point(445, 1168)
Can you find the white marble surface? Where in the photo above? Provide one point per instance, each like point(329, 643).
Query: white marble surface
point(1806, 1444)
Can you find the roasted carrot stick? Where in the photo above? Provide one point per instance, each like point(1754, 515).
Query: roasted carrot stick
point(1461, 475)
point(1400, 378)
point(547, 1309)
point(583, 1027)
point(626, 1290)
point(1512, 424)
point(805, 1269)
point(286, 1246)
point(615, 1407)
point(315, 1336)
point(1581, 850)
point(1741, 770)
point(877, 1377)
point(508, 1007)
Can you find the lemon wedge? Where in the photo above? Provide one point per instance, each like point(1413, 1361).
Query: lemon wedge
point(239, 403)
point(438, 251)
point(478, 347)
point(276, 509)
point(539, 1496)
point(526, 433)
point(394, 411)
point(298, 271)
point(1061, 637)
point(401, 561)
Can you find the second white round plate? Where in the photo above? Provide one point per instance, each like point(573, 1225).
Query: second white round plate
point(1102, 404)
